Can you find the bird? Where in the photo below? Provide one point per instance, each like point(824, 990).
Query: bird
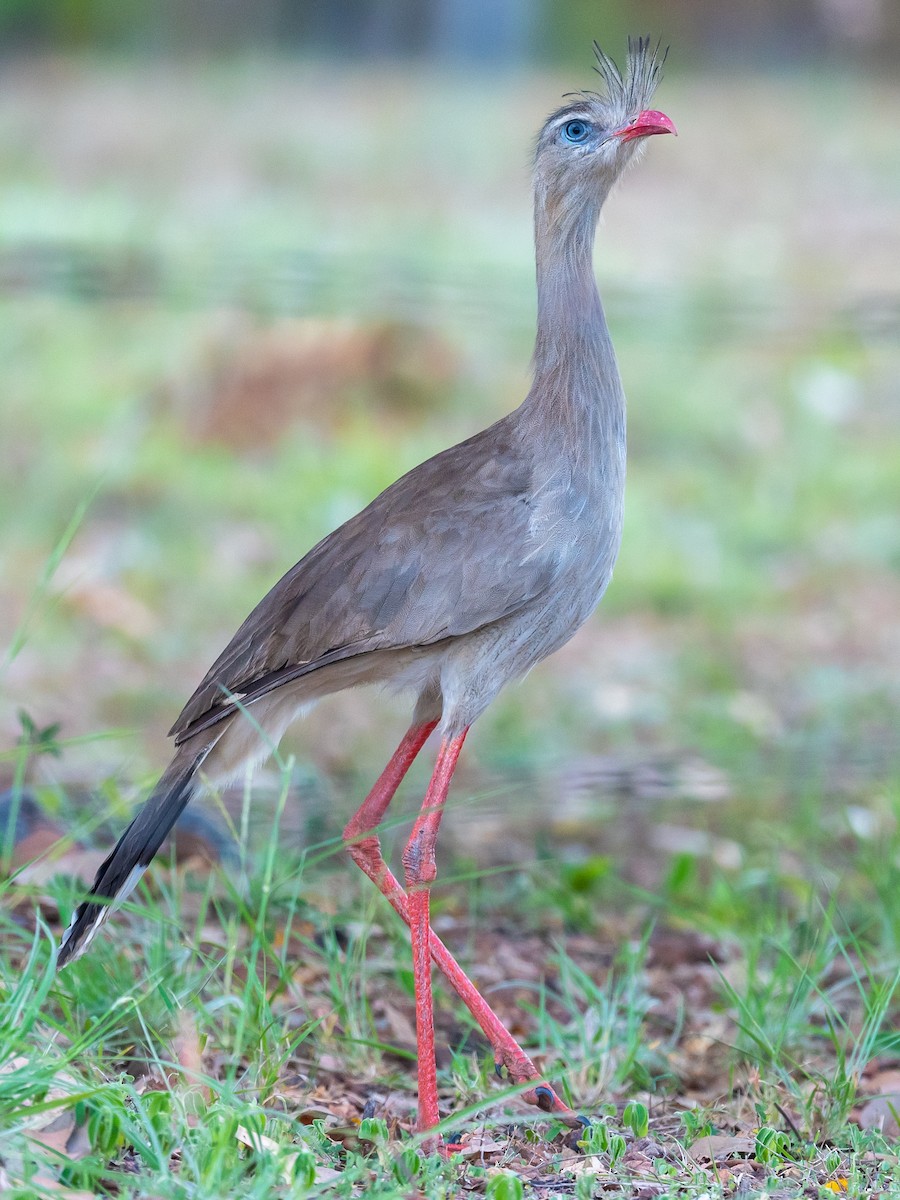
point(454, 581)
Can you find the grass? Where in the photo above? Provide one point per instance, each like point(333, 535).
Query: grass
point(691, 921)
point(232, 1059)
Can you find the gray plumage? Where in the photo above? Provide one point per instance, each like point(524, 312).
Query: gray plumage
point(475, 565)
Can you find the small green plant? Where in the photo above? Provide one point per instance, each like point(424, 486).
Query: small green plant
point(303, 1169)
point(600, 1139)
point(772, 1145)
point(595, 1139)
point(584, 1186)
point(505, 1186)
point(696, 1124)
point(104, 1129)
point(372, 1129)
point(833, 1161)
point(637, 1117)
point(38, 739)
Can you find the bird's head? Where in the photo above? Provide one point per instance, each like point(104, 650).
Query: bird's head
point(584, 146)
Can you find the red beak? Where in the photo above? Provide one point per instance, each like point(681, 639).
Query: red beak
point(649, 122)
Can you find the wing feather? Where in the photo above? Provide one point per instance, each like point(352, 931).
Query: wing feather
point(445, 550)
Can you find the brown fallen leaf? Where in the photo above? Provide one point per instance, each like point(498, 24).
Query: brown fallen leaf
point(637, 1164)
point(882, 1081)
point(882, 1113)
point(260, 1144)
point(36, 844)
point(108, 605)
point(476, 1144)
point(256, 1141)
point(721, 1145)
point(313, 1113)
point(56, 1135)
point(671, 948)
point(78, 862)
point(189, 1057)
point(66, 1140)
point(398, 1026)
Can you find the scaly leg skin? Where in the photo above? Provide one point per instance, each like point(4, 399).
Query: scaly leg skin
point(420, 868)
point(365, 849)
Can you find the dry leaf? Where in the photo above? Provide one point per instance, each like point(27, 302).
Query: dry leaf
point(57, 1135)
point(313, 1113)
point(479, 1144)
point(256, 1141)
point(720, 1145)
point(260, 1144)
point(187, 1053)
point(882, 1114)
point(109, 605)
point(882, 1082)
point(78, 862)
point(401, 1029)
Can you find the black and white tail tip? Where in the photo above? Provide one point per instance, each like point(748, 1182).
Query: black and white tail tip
point(132, 854)
point(89, 916)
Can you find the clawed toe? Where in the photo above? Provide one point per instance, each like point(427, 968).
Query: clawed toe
point(546, 1099)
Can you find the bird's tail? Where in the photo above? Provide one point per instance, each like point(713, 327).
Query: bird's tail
point(131, 855)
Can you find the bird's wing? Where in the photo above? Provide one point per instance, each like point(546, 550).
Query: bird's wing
point(448, 548)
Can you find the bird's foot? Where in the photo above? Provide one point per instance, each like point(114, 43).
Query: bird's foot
point(541, 1094)
point(435, 1144)
point(545, 1098)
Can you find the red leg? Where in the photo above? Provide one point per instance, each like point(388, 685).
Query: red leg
point(359, 834)
point(420, 867)
point(365, 849)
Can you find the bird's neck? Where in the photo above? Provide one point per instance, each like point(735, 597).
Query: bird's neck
point(574, 362)
point(564, 250)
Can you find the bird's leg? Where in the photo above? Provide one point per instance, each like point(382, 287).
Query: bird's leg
point(365, 850)
point(420, 868)
point(360, 837)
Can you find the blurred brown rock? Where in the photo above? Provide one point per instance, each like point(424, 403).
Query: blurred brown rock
point(25, 832)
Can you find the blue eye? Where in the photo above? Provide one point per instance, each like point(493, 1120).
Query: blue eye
point(576, 131)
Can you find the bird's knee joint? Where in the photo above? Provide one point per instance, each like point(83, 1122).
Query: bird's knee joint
point(418, 861)
point(361, 849)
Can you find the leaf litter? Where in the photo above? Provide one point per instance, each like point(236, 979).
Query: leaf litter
point(321, 1086)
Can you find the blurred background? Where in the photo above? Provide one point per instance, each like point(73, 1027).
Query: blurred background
point(258, 259)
